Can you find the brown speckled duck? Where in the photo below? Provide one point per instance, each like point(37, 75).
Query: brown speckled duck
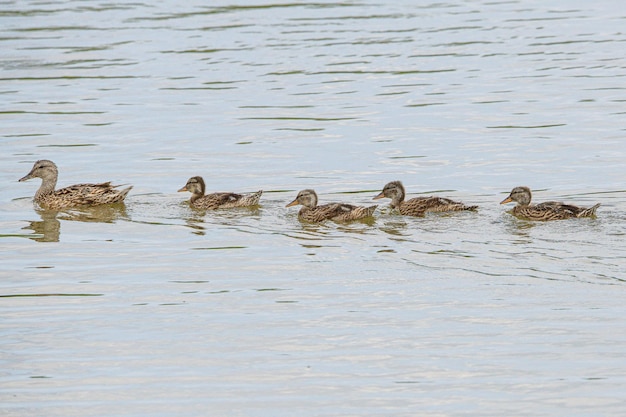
point(550, 210)
point(195, 185)
point(338, 212)
point(418, 206)
point(74, 195)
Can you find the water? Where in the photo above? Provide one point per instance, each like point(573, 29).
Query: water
point(156, 309)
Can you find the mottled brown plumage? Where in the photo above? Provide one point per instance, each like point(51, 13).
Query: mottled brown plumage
point(74, 195)
point(196, 186)
point(418, 206)
point(338, 212)
point(550, 210)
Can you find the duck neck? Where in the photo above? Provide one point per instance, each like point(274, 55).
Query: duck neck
point(46, 188)
point(196, 196)
point(397, 199)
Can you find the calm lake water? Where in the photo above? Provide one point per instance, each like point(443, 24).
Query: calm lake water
point(155, 309)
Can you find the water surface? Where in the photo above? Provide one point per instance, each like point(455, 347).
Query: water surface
point(153, 308)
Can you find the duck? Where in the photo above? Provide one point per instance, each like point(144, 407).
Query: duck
point(74, 195)
point(200, 200)
point(339, 212)
point(419, 206)
point(550, 210)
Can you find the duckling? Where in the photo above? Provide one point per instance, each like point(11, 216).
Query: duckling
point(74, 195)
point(550, 210)
point(338, 212)
point(197, 188)
point(418, 206)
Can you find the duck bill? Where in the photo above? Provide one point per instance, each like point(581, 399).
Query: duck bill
point(183, 189)
point(506, 200)
point(26, 177)
point(293, 203)
point(379, 196)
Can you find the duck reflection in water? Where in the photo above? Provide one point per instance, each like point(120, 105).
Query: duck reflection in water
point(48, 229)
point(198, 220)
point(196, 224)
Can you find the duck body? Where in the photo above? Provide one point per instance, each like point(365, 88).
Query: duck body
point(213, 201)
point(339, 212)
point(419, 206)
point(74, 195)
point(549, 210)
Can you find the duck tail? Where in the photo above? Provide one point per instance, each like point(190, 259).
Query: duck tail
point(370, 210)
point(253, 199)
point(589, 212)
point(123, 193)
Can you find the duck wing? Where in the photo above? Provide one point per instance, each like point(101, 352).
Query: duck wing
point(336, 212)
point(566, 211)
point(419, 206)
point(348, 212)
point(549, 210)
point(217, 200)
point(85, 195)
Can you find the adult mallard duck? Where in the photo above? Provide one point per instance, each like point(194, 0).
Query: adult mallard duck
point(418, 206)
point(338, 212)
point(195, 185)
point(550, 210)
point(74, 195)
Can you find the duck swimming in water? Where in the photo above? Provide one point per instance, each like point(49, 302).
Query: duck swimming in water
point(418, 206)
point(339, 212)
point(200, 200)
point(74, 195)
point(550, 210)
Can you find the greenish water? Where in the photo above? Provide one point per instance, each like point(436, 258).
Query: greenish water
point(152, 308)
